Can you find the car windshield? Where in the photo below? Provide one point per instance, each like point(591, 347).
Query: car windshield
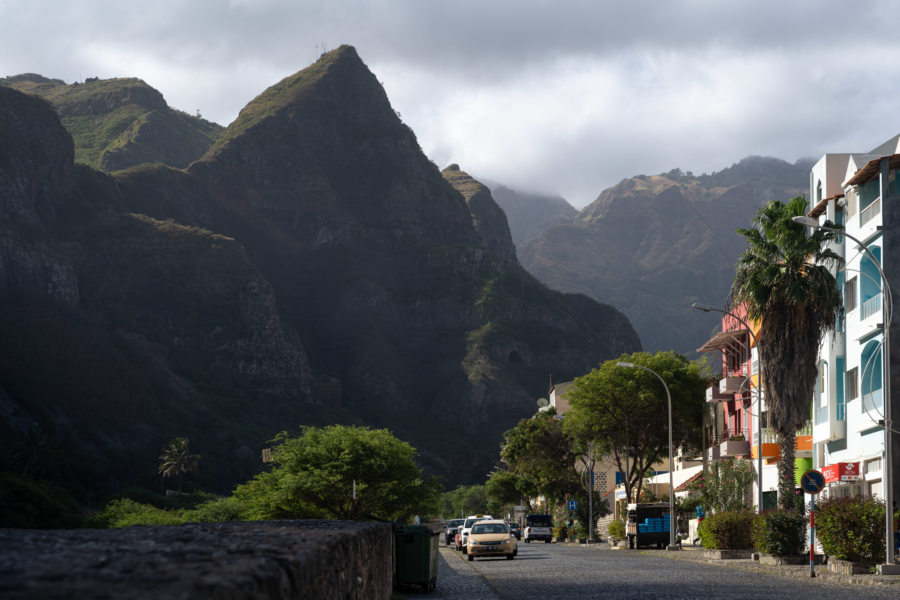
point(454, 523)
point(489, 528)
point(538, 520)
point(472, 520)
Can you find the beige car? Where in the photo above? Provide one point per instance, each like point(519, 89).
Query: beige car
point(491, 538)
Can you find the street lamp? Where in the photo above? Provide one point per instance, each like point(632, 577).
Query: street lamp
point(888, 310)
point(759, 468)
point(672, 545)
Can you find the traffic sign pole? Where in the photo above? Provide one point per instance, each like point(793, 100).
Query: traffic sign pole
point(812, 535)
point(812, 483)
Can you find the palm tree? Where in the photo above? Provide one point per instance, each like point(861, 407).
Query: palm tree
point(784, 279)
point(177, 460)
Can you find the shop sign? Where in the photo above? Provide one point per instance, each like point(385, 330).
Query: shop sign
point(842, 471)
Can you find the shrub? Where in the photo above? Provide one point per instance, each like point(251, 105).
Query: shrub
point(852, 528)
point(125, 512)
point(218, 510)
point(616, 529)
point(780, 532)
point(727, 530)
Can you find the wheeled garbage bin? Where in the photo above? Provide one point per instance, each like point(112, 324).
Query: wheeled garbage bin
point(416, 556)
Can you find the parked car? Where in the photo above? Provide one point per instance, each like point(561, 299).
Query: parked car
point(450, 532)
point(538, 527)
point(467, 526)
point(491, 538)
point(515, 529)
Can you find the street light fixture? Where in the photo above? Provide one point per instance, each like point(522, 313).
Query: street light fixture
point(759, 467)
point(672, 519)
point(888, 310)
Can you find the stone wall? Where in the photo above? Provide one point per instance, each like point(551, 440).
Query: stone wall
point(258, 560)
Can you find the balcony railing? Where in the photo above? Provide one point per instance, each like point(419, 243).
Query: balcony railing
point(872, 400)
point(870, 212)
point(821, 415)
point(871, 306)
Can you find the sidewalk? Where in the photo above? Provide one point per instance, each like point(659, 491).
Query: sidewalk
point(696, 554)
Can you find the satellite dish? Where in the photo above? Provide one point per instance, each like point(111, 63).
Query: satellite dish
point(542, 402)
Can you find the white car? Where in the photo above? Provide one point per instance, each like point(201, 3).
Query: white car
point(467, 527)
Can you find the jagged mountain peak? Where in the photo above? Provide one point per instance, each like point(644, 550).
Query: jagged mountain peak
point(487, 216)
point(337, 79)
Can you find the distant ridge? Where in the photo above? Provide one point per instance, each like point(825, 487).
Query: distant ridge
point(652, 245)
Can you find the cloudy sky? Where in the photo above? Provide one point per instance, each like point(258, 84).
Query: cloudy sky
point(558, 96)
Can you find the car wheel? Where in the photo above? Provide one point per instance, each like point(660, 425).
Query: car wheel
point(471, 558)
point(546, 541)
point(527, 541)
point(464, 551)
point(510, 556)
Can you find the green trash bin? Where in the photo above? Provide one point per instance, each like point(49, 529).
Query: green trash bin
point(416, 556)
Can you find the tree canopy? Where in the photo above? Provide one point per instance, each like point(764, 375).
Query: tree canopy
point(340, 472)
point(624, 411)
point(541, 454)
point(784, 280)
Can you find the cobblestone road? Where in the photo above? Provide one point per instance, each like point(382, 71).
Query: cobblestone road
point(580, 572)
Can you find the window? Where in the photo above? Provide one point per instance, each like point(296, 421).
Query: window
point(850, 295)
point(853, 383)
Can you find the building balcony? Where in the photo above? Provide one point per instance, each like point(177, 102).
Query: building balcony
point(870, 307)
point(770, 448)
point(731, 385)
point(870, 212)
point(714, 395)
point(712, 453)
point(734, 448)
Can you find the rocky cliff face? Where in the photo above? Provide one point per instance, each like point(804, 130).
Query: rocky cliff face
point(312, 267)
point(652, 245)
point(114, 323)
point(36, 177)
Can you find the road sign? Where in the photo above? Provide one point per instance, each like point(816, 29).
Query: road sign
point(812, 482)
point(573, 504)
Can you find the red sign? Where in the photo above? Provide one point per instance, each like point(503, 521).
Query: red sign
point(842, 471)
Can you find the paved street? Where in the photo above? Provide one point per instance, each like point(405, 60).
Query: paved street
point(579, 572)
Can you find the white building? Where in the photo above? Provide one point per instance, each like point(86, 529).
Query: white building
point(862, 193)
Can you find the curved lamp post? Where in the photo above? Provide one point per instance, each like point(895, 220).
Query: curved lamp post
point(672, 519)
point(759, 468)
point(888, 304)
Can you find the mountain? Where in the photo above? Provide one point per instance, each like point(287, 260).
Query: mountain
point(652, 245)
point(311, 267)
point(120, 123)
point(528, 213)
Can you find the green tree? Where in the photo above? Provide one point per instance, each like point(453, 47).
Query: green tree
point(503, 488)
point(723, 485)
point(465, 500)
point(784, 279)
point(539, 451)
point(340, 472)
point(625, 411)
point(177, 460)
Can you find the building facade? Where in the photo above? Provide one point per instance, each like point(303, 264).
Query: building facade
point(861, 192)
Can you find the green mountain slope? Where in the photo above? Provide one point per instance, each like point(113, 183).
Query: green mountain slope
point(119, 123)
